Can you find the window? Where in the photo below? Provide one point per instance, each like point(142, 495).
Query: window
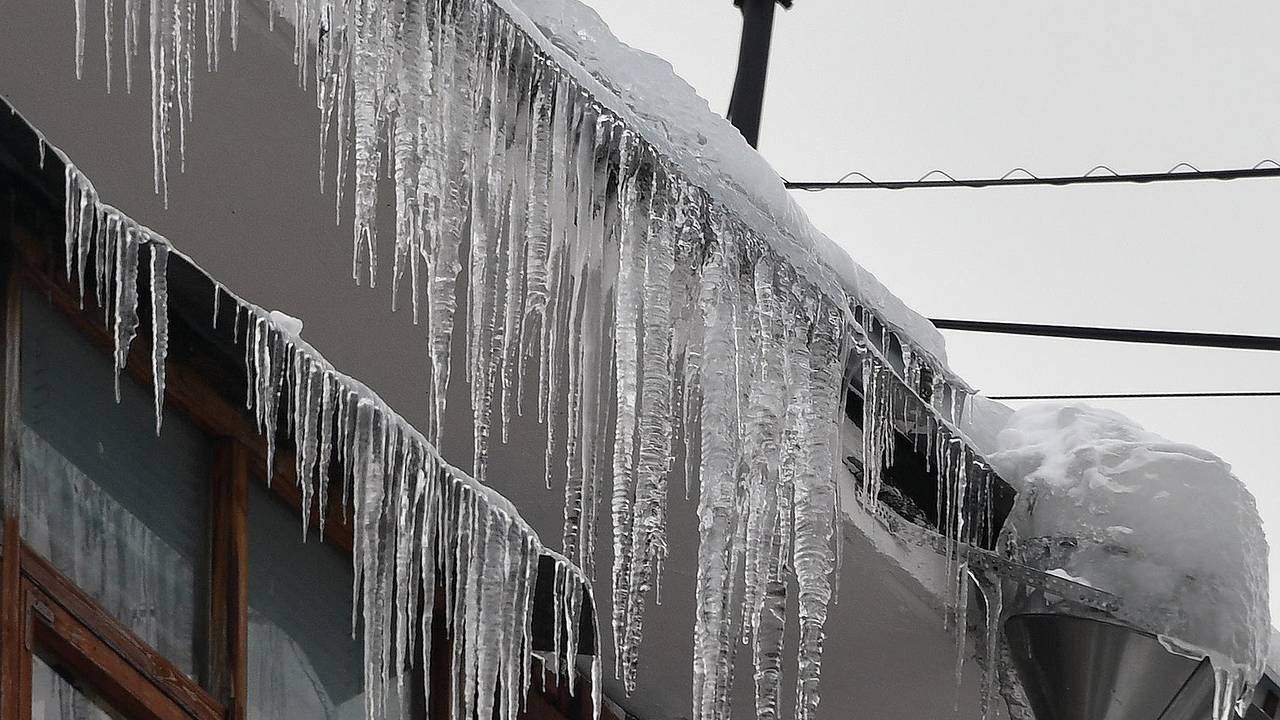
point(303, 662)
point(117, 510)
point(58, 697)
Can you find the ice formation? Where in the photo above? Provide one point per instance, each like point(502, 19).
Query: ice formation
point(1164, 526)
point(121, 562)
point(634, 272)
point(418, 523)
point(623, 241)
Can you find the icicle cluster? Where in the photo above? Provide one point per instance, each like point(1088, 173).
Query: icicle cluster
point(763, 364)
point(904, 393)
point(592, 261)
point(645, 310)
point(102, 239)
point(418, 523)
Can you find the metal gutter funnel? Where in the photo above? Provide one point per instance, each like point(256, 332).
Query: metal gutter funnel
point(1075, 668)
point(1195, 700)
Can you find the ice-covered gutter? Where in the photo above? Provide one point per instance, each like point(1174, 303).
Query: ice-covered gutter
point(1165, 526)
point(418, 522)
point(621, 243)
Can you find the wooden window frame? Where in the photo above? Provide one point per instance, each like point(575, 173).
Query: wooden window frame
point(38, 603)
point(132, 677)
point(40, 606)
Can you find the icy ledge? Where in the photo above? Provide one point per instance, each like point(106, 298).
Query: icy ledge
point(611, 227)
point(1164, 526)
point(418, 522)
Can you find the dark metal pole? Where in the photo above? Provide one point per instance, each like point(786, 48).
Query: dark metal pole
point(747, 100)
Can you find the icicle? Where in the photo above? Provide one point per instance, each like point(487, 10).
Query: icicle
point(694, 241)
point(813, 555)
point(367, 68)
point(635, 227)
point(107, 23)
point(412, 72)
point(515, 204)
point(95, 232)
point(70, 220)
point(717, 504)
point(764, 597)
point(485, 255)
point(309, 400)
point(159, 322)
point(878, 436)
point(1226, 693)
point(212, 32)
point(654, 422)
point(80, 29)
point(587, 346)
point(989, 585)
point(126, 299)
point(405, 581)
point(324, 459)
point(538, 214)
point(235, 24)
point(960, 627)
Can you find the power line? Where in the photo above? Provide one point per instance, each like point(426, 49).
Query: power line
point(1125, 396)
point(1021, 177)
point(1151, 337)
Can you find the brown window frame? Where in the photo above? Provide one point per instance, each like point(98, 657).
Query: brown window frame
point(40, 605)
point(132, 677)
point(81, 635)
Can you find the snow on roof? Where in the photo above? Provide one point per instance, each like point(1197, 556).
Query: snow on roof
point(644, 88)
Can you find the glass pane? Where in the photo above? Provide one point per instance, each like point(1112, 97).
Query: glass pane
point(303, 662)
point(119, 511)
point(53, 697)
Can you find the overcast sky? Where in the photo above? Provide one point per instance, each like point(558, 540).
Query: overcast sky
point(895, 88)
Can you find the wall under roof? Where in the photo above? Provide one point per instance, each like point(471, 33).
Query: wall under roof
point(248, 209)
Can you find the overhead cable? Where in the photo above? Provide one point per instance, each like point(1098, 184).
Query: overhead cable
point(1155, 395)
point(1100, 174)
point(1125, 335)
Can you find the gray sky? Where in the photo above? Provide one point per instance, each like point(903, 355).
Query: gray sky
point(895, 88)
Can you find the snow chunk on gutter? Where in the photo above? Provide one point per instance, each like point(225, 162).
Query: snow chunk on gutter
point(1165, 526)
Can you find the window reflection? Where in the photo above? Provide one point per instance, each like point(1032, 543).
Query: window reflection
point(303, 662)
point(53, 697)
point(119, 511)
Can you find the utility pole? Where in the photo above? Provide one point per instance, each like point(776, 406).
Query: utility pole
point(753, 64)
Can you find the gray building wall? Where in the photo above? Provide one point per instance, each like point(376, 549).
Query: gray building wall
point(248, 209)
